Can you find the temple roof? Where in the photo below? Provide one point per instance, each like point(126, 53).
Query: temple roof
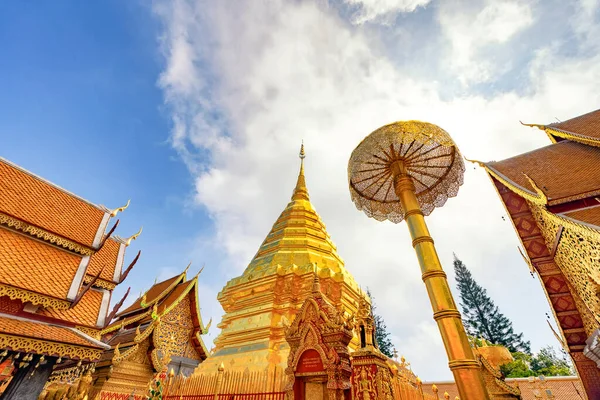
point(38, 202)
point(44, 338)
point(563, 171)
point(585, 128)
point(85, 313)
point(588, 216)
point(33, 265)
point(157, 292)
point(298, 236)
point(562, 387)
point(106, 260)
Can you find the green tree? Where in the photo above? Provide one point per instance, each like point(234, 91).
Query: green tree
point(546, 363)
point(520, 367)
point(382, 336)
point(482, 317)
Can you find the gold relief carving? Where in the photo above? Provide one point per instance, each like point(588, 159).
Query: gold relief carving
point(40, 233)
point(25, 295)
point(578, 257)
point(174, 332)
point(100, 283)
point(36, 346)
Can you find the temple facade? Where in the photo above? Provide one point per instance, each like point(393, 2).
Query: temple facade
point(59, 264)
point(160, 332)
point(552, 198)
point(265, 299)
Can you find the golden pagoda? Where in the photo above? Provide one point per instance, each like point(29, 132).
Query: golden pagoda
point(265, 299)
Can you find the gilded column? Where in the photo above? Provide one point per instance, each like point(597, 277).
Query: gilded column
point(462, 362)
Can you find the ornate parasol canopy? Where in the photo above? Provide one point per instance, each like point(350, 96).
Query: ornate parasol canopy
point(427, 152)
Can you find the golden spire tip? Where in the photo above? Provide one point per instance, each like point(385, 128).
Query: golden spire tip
point(302, 154)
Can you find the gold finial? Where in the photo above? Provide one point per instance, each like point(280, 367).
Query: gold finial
point(117, 210)
point(207, 327)
point(300, 191)
point(446, 395)
point(480, 163)
point(133, 237)
point(434, 388)
point(171, 373)
point(188, 267)
point(199, 272)
point(221, 367)
point(537, 189)
point(540, 127)
point(137, 330)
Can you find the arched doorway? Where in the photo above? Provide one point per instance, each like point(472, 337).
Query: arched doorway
point(319, 362)
point(310, 377)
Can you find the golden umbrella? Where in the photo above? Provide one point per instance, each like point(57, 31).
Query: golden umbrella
point(403, 171)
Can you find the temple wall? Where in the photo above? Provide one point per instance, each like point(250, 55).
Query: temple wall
point(578, 257)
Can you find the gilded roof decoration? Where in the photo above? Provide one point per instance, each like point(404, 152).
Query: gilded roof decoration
point(154, 294)
point(41, 338)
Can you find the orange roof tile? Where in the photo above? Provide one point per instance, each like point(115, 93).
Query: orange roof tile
point(39, 330)
point(38, 202)
point(84, 313)
point(35, 266)
point(564, 171)
point(587, 125)
point(157, 291)
point(562, 387)
point(587, 216)
point(105, 258)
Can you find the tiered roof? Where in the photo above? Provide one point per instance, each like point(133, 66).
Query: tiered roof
point(53, 244)
point(138, 321)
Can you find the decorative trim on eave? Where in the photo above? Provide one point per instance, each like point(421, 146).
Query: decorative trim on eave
point(101, 230)
point(101, 283)
point(103, 308)
point(79, 275)
point(571, 136)
point(37, 232)
point(36, 298)
point(124, 322)
point(159, 297)
point(119, 266)
point(535, 198)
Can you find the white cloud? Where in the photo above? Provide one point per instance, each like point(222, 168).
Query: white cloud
point(257, 78)
point(469, 30)
point(370, 10)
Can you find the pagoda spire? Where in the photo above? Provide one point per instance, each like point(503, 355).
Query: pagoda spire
point(300, 191)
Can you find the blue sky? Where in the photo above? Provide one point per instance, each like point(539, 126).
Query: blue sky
point(82, 109)
point(194, 110)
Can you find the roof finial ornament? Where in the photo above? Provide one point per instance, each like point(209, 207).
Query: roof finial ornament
point(133, 237)
point(540, 127)
point(199, 272)
point(300, 191)
point(117, 210)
